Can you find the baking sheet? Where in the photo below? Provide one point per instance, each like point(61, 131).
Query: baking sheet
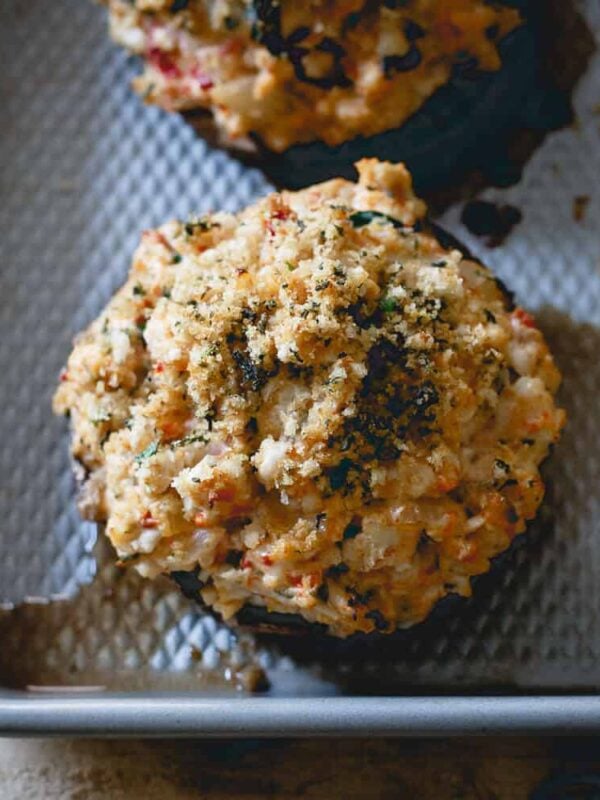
point(84, 169)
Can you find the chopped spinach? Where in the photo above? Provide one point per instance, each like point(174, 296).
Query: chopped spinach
point(381, 623)
point(338, 475)
point(337, 569)
point(323, 592)
point(234, 558)
point(353, 529)
point(361, 218)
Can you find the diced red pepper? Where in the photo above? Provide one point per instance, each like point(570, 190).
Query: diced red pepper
point(205, 81)
point(313, 579)
point(231, 46)
point(524, 318)
point(163, 63)
point(224, 495)
point(148, 520)
point(160, 237)
point(171, 429)
point(445, 483)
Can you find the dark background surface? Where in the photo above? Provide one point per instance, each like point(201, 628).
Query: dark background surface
point(459, 769)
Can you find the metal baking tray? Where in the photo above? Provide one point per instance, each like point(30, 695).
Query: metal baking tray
point(87, 648)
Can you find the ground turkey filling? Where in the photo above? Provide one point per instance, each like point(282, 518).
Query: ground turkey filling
point(315, 405)
point(294, 72)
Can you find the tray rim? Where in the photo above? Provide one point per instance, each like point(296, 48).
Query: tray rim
point(185, 715)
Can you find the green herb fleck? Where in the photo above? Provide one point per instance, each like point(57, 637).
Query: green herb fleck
point(148, 452)
point(512, 516)
point(191, 439)
point(387, 305)
point(199, 224)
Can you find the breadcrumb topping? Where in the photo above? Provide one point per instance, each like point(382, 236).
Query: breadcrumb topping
point(315, 405)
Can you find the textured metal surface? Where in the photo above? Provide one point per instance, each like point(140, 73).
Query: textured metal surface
point(149, 715)
point(85, 168)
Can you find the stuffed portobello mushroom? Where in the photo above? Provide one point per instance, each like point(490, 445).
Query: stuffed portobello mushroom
point(311, 87)
point(313, 408)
